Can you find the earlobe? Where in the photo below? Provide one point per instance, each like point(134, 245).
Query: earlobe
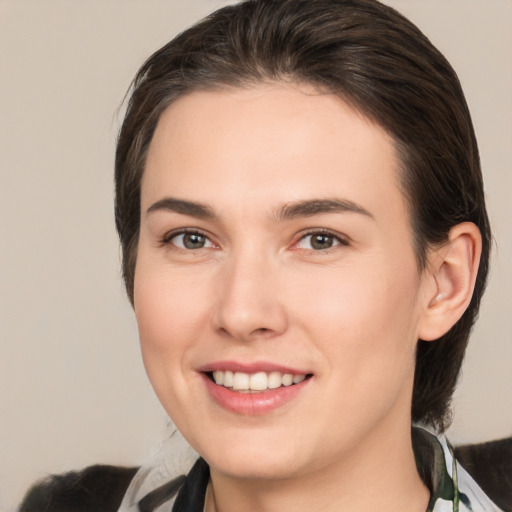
point(452, 274)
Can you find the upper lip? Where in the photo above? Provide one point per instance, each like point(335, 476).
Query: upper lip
point(254, 367)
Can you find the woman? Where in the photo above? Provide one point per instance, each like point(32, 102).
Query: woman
point(305, 244)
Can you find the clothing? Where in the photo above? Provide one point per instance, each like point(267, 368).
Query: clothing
point(167, 481)
point(452, 488)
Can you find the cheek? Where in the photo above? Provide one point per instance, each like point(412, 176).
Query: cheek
point(363, 319)
point(171, 313)
point(366, 298)
point(168, 304)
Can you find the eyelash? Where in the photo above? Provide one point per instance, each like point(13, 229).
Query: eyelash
point(167, 238)
point(339, 240)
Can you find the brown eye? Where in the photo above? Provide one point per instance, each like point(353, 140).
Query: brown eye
point(190, 241)
point(319, 241)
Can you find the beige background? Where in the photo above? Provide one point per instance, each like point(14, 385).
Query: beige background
point(73, 391)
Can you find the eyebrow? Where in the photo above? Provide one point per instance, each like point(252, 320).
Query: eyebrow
point(289, 211)
point(184, 207)
point(310, 208)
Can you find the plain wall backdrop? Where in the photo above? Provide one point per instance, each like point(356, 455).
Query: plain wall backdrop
point(72, 386)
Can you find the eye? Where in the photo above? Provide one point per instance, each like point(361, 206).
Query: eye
point(320, 241)
point(189, 240)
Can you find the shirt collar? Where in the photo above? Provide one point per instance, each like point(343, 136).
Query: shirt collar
point(451, 488)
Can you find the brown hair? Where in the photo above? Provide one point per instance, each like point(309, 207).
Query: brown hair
point(382, 65)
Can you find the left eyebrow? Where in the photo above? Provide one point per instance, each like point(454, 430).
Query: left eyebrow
point(184, 207)
point(312, 207)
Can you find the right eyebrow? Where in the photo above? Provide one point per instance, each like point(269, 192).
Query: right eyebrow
point(183, 207)
point(312, 207)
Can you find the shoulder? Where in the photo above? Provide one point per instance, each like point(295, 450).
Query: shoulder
point(477, 475)
point(490, 465)
point(97, 488)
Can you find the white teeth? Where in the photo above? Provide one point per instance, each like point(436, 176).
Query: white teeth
point(287, 379)
point(240, 381)
point(228, 379)
point(218, 377)
point(260, 381)
point(274, 380)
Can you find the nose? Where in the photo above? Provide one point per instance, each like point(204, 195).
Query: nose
point(249, 301)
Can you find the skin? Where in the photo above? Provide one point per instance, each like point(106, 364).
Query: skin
point(349, 315)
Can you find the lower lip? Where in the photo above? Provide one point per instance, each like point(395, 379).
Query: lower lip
point(253, 404)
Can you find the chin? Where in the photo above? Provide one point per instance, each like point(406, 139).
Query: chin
point(260, 466)
point(251, 455)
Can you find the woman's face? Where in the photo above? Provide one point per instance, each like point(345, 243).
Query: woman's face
point(275, 250)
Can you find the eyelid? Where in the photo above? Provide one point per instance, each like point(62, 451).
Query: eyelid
point(167, 238)
point(342, 240)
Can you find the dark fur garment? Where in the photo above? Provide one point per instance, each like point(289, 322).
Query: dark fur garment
point(95, 489)
point(490, 465)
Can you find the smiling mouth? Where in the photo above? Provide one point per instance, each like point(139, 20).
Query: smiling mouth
point(255, 382)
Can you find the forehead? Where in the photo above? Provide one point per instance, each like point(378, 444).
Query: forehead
point(268, 145)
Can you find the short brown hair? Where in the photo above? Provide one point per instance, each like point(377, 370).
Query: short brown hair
point(383, 66)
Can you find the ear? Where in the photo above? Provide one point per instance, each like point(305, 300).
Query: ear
point(450, 281)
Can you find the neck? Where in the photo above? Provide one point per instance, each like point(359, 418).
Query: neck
point(378, 474)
